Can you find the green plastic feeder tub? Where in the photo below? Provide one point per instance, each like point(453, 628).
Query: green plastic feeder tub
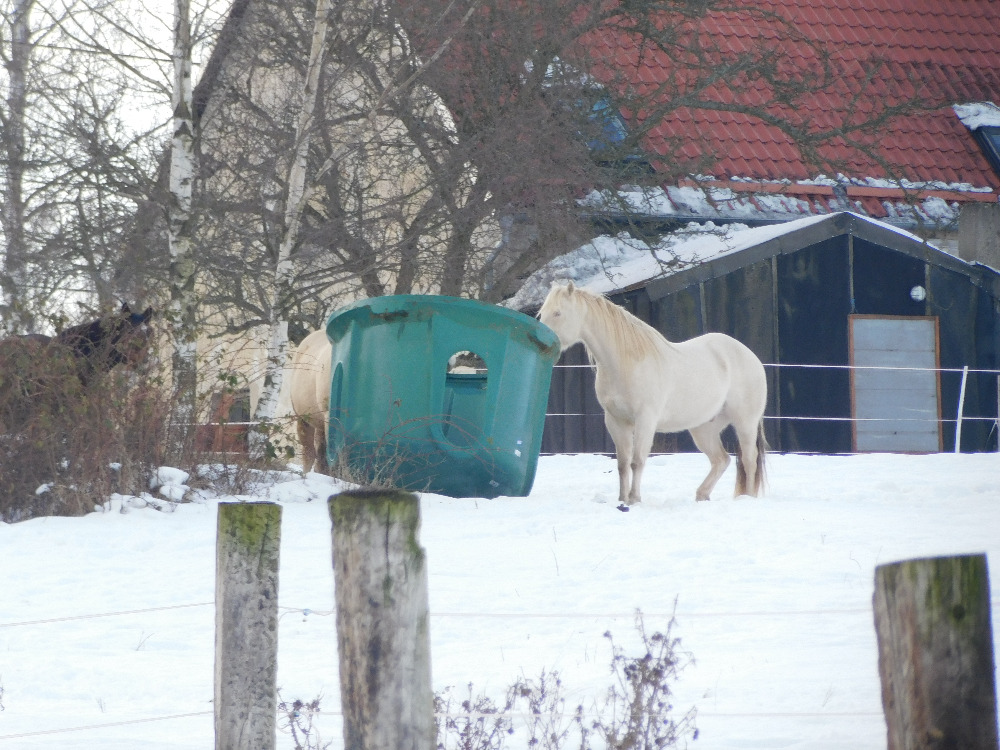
point(438, 394)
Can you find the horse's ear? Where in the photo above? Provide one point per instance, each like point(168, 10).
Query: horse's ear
point(570, 287)
point(125, 309)
point(147, 314)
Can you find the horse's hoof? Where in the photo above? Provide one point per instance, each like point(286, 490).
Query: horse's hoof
point(624, 508)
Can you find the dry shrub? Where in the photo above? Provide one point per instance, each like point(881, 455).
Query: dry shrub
point(637, 712)
point(67, 441)
point(297, 718)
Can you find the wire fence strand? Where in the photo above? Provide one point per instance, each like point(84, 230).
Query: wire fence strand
point(995, 419)
point(679, 615)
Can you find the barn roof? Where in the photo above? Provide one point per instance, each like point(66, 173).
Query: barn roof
point(947, 50)
point(610, 265)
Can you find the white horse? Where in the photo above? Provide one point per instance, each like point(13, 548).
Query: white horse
point(309, 391)
point(646, 384)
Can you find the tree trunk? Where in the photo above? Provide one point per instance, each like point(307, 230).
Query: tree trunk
point(246, 625)
point(935, 644)
point(14, 255)
point(182, 312)
point(277, 351)
point(383, 638)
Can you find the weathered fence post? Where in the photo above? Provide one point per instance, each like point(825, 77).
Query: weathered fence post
point(246, 625)
point(380, 584)
point(935, 653)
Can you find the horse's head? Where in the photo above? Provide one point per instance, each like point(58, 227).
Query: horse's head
point(129, 336)
point(563, 312)
point(120, 338)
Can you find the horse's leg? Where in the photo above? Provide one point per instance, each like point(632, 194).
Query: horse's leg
point(747, 482)
point(622, 435)
point(708, 438)
point(642, 443)
point(319, 438)
point(307, 441)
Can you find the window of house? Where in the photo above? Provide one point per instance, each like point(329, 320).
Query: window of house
point(608, 138)
point(989, 140)
point(612, 126)
point(231, 406)
point(605, 131)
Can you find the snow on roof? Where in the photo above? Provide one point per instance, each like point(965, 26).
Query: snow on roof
point(978, 115)
point(719, 202)
point(709, 202)
point(609, 264)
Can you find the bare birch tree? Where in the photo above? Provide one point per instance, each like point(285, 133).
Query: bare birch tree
point(71, 169)
point(284, 272)
point(12, 138)
point(183, 299)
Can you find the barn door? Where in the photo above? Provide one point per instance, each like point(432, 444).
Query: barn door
point(895, 409)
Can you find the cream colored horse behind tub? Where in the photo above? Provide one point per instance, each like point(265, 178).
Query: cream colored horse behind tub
point(646, 384)
point(309, 391)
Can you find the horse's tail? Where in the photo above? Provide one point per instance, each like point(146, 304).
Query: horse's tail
point(759, 480)
point(762, 447)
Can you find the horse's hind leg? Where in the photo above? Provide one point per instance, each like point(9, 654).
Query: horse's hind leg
point(747, 479)
point(708, 438)
point(319, 440)
point(308, 442)
point(752, 451)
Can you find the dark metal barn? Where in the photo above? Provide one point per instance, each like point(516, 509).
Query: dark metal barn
point(865, 331)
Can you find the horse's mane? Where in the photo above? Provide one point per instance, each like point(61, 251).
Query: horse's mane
point(633, 338)
point(84, 338)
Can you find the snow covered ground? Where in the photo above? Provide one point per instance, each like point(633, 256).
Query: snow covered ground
point(106, 621)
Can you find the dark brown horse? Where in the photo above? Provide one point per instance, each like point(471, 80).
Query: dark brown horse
point(37, 367)
point(119, 339)
point(61, 421)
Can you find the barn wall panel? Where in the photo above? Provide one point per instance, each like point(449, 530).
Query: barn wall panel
point(988, 385)
point(678, 315)
point(967, 338)
point(883, 279)
point(813, 305)
point(577, 421)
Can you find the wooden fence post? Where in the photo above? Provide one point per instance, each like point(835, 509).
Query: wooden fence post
point(383, 638)
point(935, 653)
point(246, 625)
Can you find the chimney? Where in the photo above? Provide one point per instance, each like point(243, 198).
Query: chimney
point(979, 234)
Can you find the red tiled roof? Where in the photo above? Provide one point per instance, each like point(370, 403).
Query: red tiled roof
point(949, 49)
